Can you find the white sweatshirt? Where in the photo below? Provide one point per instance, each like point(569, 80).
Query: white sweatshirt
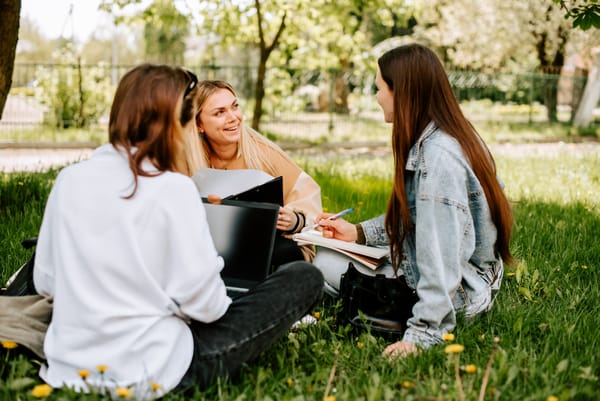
point(125, 275)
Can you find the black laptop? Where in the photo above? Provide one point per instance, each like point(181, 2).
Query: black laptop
point(244, 234)
point(244, 184)
point(271, 191)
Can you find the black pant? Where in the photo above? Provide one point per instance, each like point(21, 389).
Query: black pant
point(285, 250)
point(252, 323)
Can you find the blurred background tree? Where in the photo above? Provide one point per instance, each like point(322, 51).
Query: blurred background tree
point(281, 47)
point(165, 33)
point(493, 35)
point(76, 97)
point(341, 39)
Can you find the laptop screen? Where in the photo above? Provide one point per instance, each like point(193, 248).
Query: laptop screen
point(271, 191)
point(243, 234)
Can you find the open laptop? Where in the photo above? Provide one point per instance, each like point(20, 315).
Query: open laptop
point(271, 191)
point(244, 235)
point(243, 184)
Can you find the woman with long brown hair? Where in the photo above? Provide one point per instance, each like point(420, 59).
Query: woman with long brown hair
point(448, 223)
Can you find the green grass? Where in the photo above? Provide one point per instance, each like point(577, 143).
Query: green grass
point(546, 316)
point(45, 134)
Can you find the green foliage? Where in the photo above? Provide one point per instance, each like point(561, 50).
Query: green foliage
point(76, 95)
point(165, 32)
point(585, 13)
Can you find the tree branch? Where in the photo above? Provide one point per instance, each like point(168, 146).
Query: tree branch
point(261, 34)
point(278, 34)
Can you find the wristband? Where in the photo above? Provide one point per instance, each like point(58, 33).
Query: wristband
point(293, 229)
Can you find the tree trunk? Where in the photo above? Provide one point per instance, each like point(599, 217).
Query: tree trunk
point(265, 52)
point(551, 65)
point(550, 96)
point(259, 90)
point(9, 32)
point(591, 95)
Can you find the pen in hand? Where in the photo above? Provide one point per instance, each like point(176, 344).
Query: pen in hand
point(332, 217)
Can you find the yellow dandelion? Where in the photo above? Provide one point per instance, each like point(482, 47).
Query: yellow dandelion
point(289, 382)
point(155, 386)
point(325, 210)
point(360, 344)
point(454, 349)
point(329, 398)
point(407, 384)
point(20, 183)
point(123, 392)
point(41, 391)
point(584, 267)
point(552, 398)
point(102, 368)
point(84, 373)
point(448, 337)
point(317, 315)
point(470, 368)
point(9, 344)
point(360, 203)
point(510, 274)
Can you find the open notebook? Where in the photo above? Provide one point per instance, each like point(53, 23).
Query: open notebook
point(369, 256)
point(244, 235)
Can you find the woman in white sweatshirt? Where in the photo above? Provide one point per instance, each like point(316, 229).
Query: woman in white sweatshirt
point(126, 254)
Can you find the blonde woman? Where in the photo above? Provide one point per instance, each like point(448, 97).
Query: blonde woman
point(227, 143)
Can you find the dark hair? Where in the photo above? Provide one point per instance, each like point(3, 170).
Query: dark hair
point(151, 105)
point(422, 93)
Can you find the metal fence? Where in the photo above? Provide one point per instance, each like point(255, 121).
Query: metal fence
point(54, 97)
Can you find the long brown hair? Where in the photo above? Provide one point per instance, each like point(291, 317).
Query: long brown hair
point(152, 104)
point(422, 93)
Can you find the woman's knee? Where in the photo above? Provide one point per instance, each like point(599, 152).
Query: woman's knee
point(301, 271)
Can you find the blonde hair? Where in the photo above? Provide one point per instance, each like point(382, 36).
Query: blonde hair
point(250, 140)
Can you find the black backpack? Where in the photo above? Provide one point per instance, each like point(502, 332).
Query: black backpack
point(376, 303)
point(21, 282)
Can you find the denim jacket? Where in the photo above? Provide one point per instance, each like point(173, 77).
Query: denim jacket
point(448, 256)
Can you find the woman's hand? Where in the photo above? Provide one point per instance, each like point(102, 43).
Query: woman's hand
point(287, 220)
point(338, 228)
point(399, 349)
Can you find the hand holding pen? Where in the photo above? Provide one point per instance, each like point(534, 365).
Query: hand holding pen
point(333, 226)
point(330, 217)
